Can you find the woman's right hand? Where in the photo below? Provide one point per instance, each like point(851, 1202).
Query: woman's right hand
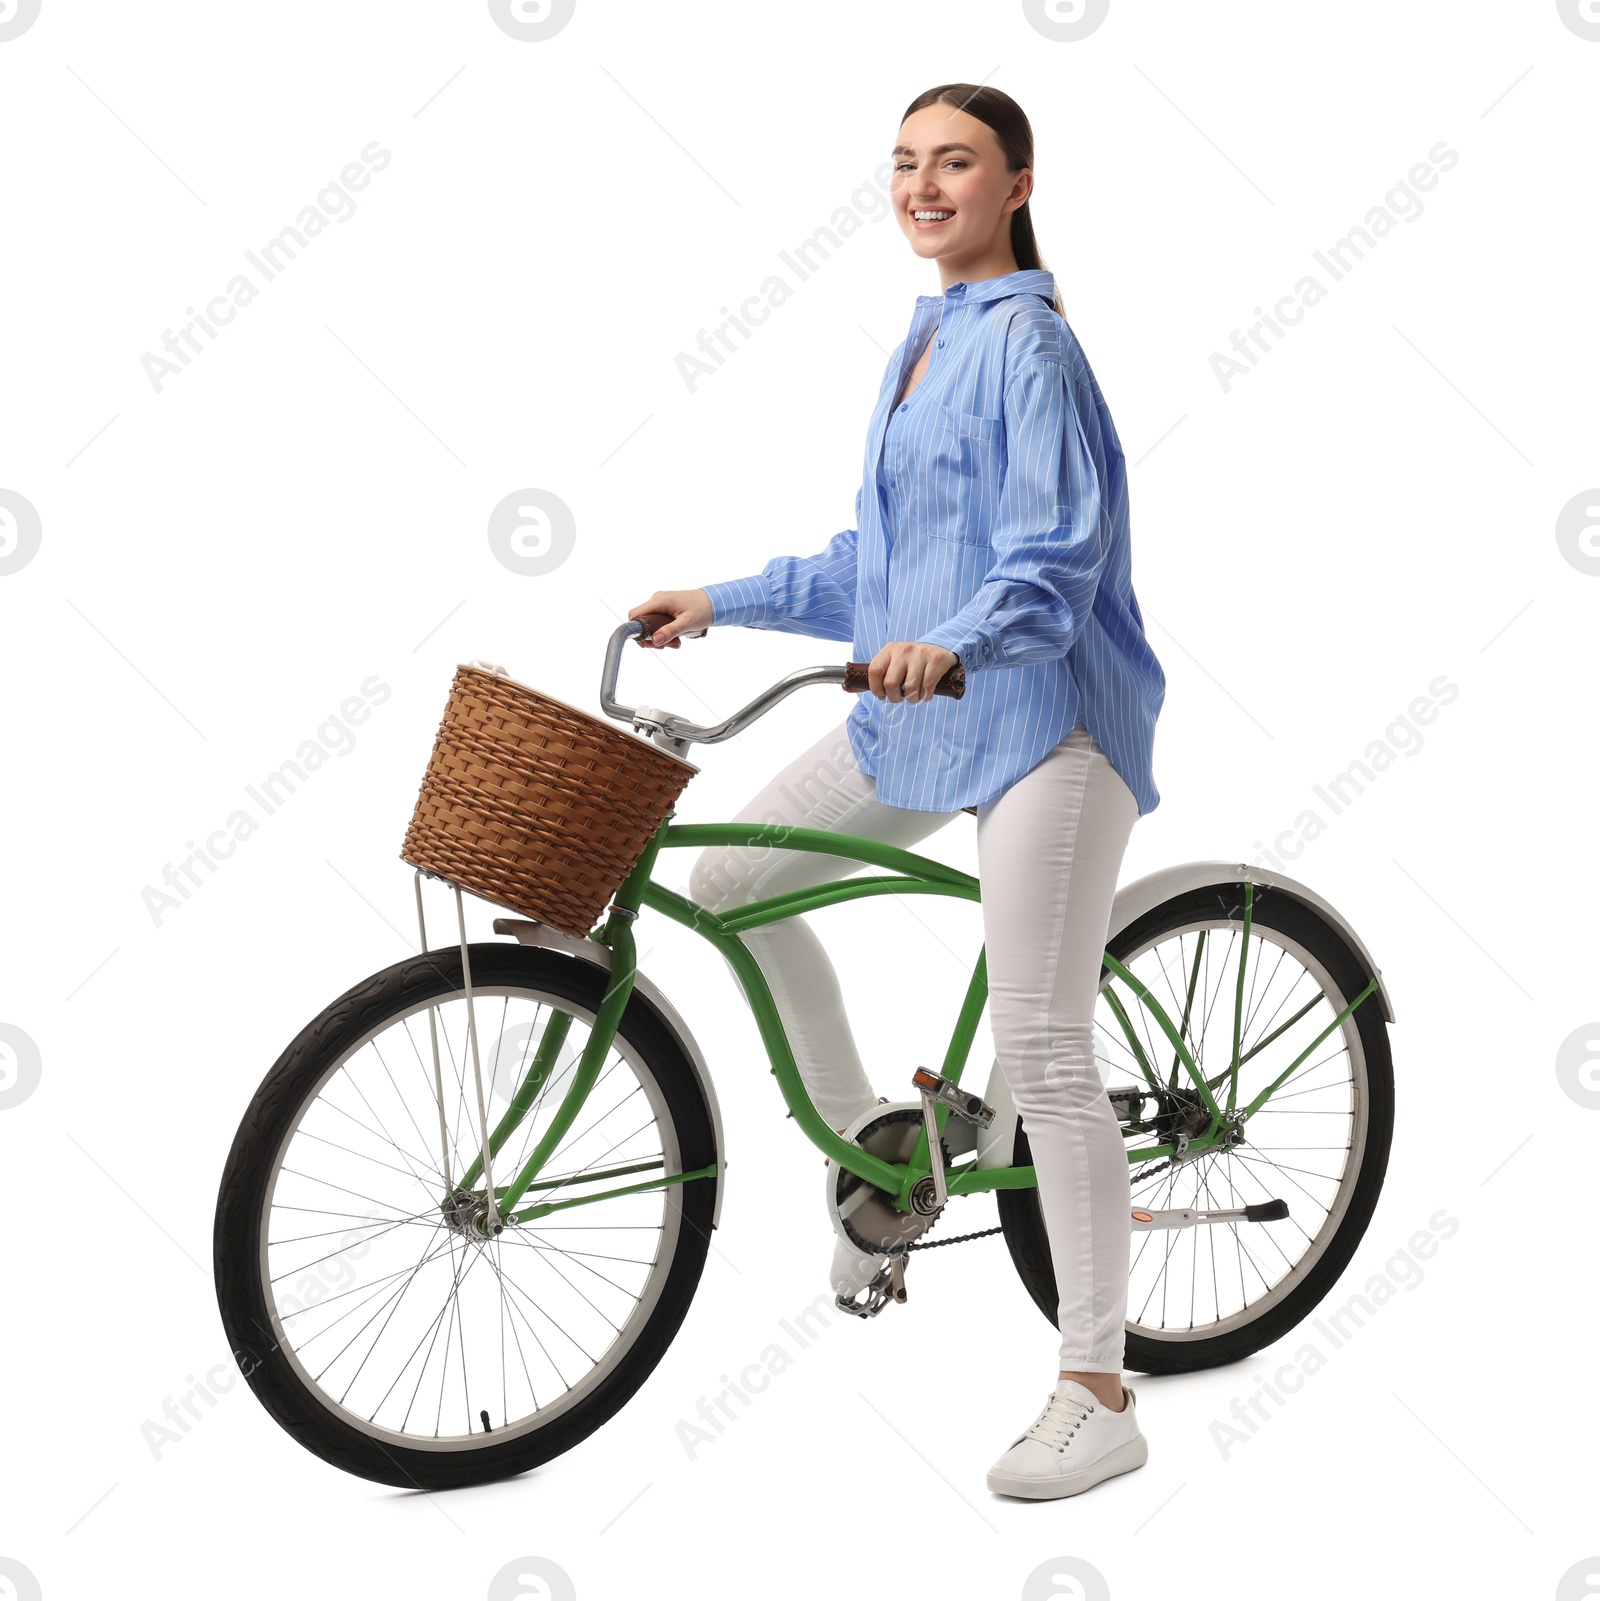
point(690, 610)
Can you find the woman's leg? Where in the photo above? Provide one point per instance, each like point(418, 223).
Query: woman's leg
point(1049, 851)
point(821, 788)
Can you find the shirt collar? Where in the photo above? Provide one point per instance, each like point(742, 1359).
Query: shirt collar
point(1025, 281)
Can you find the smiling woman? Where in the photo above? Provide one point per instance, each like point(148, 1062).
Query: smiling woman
point(992, 533)
point(959, 191)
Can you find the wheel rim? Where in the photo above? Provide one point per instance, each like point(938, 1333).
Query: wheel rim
point(406, 1327)
point(1304, 1146)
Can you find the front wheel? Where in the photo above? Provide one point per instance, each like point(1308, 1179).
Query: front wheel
point(1206, 1295)
point(372, 1317)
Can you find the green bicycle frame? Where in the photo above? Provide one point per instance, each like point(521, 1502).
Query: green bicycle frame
point(908, 874)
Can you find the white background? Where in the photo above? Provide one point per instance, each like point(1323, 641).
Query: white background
point(224, 562)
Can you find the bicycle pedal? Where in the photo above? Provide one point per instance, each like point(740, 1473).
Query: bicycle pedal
point(962, 1102)
point(888, 1284)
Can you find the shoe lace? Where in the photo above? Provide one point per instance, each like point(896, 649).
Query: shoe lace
point(1059, 1421)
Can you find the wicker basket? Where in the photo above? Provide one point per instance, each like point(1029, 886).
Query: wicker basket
point(535, 805)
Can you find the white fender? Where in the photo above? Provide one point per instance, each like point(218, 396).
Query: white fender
point(1134, 900)
point(1131, 902)
point(591, 951)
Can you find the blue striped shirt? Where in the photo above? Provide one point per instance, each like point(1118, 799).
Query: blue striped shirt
point(993, 520)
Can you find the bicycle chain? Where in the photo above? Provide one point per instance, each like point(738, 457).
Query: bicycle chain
point(999, 1228)
point(980, 1234)
point(955, 1239)
point(1161, 1167)
point(984, 1233)
point(1150, 1172)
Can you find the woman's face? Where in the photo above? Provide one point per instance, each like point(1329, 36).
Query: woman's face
point(949, 165)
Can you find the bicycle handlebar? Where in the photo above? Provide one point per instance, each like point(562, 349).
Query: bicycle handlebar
point(673, 730)
point(953, 684)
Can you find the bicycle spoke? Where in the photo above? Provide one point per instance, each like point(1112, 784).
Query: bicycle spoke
point(359, 1155)
point(571, 1255)
point(373, 1291)
point(429, 1253)
point(599, 1256)
point(317, 1262)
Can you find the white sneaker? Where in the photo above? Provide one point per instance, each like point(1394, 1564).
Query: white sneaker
point(852, 1270)
point(1073, 1444)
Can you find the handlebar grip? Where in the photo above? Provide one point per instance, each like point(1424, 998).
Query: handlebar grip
point(953, 684)
point(652, 620)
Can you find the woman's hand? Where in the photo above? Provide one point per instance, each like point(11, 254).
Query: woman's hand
point(690, 609)
point(908, 671)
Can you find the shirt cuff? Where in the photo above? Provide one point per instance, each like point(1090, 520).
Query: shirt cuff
point(741, 602)
point(974, 650)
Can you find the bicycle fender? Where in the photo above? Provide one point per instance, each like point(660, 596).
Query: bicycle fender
point(1133, 900)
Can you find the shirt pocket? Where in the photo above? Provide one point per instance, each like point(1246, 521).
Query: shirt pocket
point(971, 465)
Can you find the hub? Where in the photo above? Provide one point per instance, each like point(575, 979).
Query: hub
point(467, 1214)
point(1180, 1113)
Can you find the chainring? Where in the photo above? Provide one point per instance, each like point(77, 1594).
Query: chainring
point(869, 1219)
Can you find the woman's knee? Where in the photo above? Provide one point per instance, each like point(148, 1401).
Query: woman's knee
point(1051, 1068)
point(725, 876)
point(711, 880)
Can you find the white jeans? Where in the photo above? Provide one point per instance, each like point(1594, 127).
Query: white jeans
point(1049, 851)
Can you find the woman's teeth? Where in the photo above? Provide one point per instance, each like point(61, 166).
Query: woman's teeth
point(932, 216)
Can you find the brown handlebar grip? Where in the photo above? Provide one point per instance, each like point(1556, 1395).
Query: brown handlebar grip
point(953, 684)
point(652, 620)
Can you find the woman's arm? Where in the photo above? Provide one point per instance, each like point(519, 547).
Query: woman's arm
point(1052, 532)
point(814, 595)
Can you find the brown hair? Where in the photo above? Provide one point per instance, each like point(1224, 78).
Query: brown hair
point(999, 112)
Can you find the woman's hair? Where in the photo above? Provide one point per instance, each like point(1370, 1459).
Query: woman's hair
point(998, 111)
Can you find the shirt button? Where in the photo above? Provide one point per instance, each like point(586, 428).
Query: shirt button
point(904, 406)
point(940, 344)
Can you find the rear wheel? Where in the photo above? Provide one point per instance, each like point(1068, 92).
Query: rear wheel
point(1206, 1295)
point(372, 1317)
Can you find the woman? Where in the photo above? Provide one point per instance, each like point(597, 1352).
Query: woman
point(993, 532)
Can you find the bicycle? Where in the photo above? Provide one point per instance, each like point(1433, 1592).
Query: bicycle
point(413, 1321)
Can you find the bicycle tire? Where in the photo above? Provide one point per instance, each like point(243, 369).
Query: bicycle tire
point(245, 1301)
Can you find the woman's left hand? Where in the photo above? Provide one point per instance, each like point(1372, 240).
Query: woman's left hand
point(908, 670)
